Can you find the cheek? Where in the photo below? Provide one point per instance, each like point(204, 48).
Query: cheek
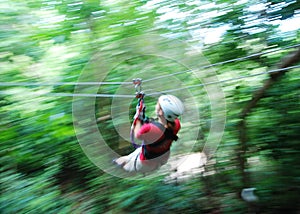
point(156, 108)
point(158, 111)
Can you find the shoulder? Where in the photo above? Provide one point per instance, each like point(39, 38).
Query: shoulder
point(177, 122)
point(149, 128)
point(177, 125)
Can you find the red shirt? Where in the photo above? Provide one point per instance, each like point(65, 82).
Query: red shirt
point(150, 134)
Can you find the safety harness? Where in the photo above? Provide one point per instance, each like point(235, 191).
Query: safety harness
point(140, 108)
point(168, 135)
point(140, 115)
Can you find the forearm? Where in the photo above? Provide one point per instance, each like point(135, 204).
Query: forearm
point(137, 127)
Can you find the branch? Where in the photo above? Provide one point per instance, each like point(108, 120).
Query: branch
point(242, 128)
point(273, 77)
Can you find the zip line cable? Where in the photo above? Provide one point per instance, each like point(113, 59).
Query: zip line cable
point(148, 80)
point(166, 91)
point(61, 83)
point(224, 62)
point(227, 80)
point(75, 95)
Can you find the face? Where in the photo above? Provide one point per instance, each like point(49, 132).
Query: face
point(158, 110)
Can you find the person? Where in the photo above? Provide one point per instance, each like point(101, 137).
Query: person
point(157, 137)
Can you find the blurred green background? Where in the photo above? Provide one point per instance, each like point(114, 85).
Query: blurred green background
point(43, 168)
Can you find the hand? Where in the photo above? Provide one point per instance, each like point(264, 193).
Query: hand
point(140, 113)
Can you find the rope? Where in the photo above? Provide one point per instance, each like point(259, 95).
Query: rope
point(166, 91)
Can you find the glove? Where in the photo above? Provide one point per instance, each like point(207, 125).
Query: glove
point(140, 114)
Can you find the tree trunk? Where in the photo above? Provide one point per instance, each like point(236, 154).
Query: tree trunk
point(242, 129)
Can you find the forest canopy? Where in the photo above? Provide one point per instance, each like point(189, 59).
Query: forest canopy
point(235, 63)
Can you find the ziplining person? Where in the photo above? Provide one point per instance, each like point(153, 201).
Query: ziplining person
point(157, 135)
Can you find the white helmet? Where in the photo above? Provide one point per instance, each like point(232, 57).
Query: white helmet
point(171, 106)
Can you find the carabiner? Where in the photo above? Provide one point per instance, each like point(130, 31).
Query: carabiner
point(138, 87)
point(137, 84)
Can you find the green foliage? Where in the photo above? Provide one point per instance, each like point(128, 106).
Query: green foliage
point(287, 9)
point(157, 197)
point(32, 195)
point(44, 169)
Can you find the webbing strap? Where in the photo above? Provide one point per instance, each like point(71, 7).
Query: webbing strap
point(136, 117)
point(168, 135)
point(135, 160)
